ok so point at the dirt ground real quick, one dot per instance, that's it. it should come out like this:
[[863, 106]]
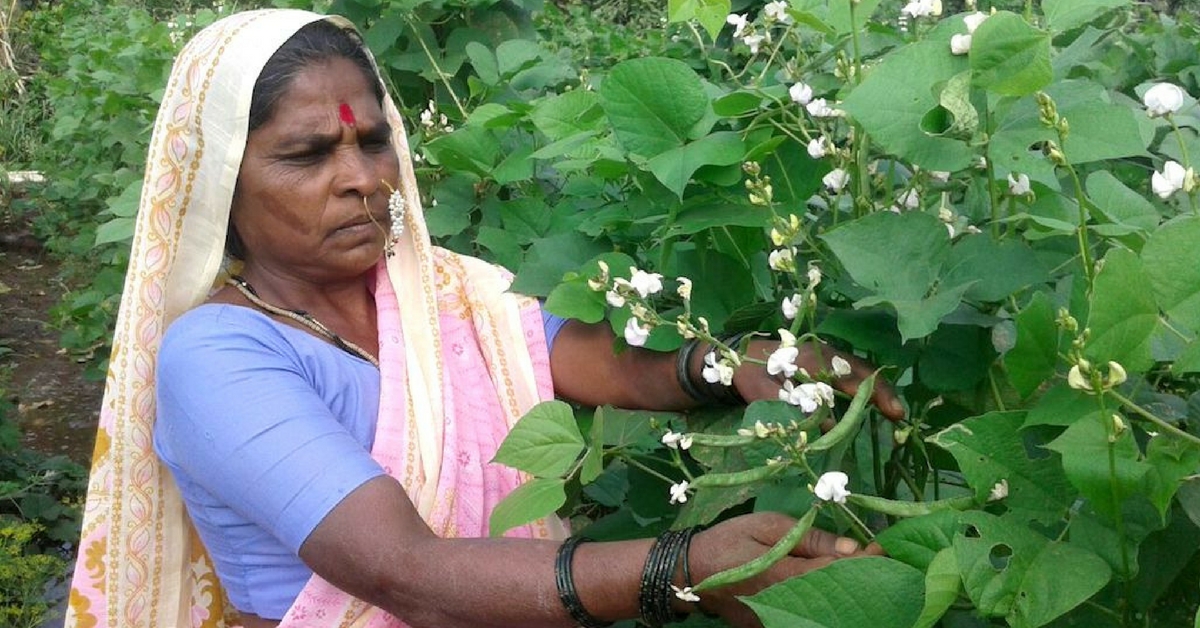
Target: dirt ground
[[57, 408]]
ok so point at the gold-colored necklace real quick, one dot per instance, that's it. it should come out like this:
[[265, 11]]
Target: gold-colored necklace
[[302, 317]]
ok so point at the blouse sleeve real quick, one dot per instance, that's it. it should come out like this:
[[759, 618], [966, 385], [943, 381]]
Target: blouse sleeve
[[242, 416]]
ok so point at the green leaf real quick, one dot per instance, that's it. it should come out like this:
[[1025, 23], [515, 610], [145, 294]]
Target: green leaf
[[1172, 262], [1009, 571], [1120, 204], [545, 442], [989, 449], [894, 98], [483, 60], [675, 167], [470, 148], [1188, 361], [1009, 57], [836, 596], [710, 13], [917, 541], [1061, 405], [573, 298], [1064, 15], [1171, 460], [531, 501], [975, 258], [1033, 359], [653, 103], [840, 15], [567, 114], [955, 116], [552, 257], [942, 586], [898, 255], [118, 229], [1106, 473], [593, 460], [1123, 315]]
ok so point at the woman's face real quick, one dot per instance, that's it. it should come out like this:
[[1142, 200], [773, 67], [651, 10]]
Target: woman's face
[[298, 205]]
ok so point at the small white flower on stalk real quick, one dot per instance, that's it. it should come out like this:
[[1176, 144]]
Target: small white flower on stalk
[[973, 20], [679, 492], [922, 8], [791, 306], [836, 180], [685, 594], [1173, 178], [685, 329], [786, 338], [1116, 374], [685, 288], [819, 108], [1018, 185], [754, 42], [782, 260], [1077, 380], [778, 11], [831, 487], [960, 44], [840, 366], [783, 360], [1163, 99], [814, 276], [716, 370], [636, 334], [819, 147], [908, 199], [738, 22], [614, 299], [999, 491], [808, 397], [645, 283], [801, 93], [940, 176], [675, 440]]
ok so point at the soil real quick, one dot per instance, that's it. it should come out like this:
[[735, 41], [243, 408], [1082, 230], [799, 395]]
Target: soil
[[56, 406]]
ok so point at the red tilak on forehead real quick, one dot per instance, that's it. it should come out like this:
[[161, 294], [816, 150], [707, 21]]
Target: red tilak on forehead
[[346, 114]]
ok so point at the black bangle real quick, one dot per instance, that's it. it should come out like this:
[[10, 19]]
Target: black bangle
[[565, 582], [683, 372], [656, 593], [719, 393]]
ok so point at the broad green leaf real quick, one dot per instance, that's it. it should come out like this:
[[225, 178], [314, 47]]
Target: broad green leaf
[[956, 357], [898, 255], [118, 229], [545, 442], [873, 591], [514, 55], [1120, 204], [1098, 534], [593, 460], [552, 257], [840, 14], [917, 541], [710, 13], [942, 586], [516, 166], [1009, 57], [737, 103], [470, 148], [954, 117], [531, 501], [1033, 359], [1171, 460], [1061, 405], [653, 103], [1105, 472], [573, 298], [697, 218], [919, 317], [1172, 264], [975, 258], [989, 448], [895, 97], [1064, 15], [483, 60], [567, 114], [674, 168], [1123, 314], [1170, 550], [1188, 361], [1012, 572]]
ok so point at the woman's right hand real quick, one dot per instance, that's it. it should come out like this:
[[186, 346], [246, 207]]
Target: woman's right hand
[[739, 540]]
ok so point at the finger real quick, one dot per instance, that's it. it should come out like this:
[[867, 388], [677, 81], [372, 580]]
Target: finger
[[818, 543], [873, 549], [883, 396]]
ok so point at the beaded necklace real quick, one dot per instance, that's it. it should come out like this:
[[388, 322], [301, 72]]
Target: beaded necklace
[[302, 317]]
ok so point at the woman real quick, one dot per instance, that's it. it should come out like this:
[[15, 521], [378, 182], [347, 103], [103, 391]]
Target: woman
[[276, 143]]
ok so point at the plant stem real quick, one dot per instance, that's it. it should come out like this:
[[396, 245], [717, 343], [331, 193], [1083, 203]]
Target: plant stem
[[634, 463], [1149, 416], [1187, 162], [436, 68]]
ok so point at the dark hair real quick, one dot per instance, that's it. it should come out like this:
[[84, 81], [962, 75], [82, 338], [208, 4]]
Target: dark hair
[[317, 41]]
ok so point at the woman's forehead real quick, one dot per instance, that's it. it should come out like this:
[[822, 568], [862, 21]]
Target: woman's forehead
[[329, 90]]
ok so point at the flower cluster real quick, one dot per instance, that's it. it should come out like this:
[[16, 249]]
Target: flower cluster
[[960, 44]]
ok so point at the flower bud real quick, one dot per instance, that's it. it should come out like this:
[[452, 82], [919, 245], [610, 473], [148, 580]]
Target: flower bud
[[1116, 375], [1077, 380]]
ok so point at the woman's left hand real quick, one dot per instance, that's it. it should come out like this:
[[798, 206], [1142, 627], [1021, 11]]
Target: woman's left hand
[[754, 383]]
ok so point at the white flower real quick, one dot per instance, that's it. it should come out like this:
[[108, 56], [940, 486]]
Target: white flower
[[783, 360], [973, 20], [831, 487], [814, 276], [685, 594], [716, 370], [940, 176], [782, 259], [999, 491], [645, 283], [675, 440], [791, 306], [777, 11], [786, 338], [1116, 374], [836, 180], [738, 22], [1018, 185], [1163, 99], [1172, 179], [840, 366], [614, 299], [685, 288], [922, 8], [1076, 380], [960, 44], [636, 334], [801, 93], [808, 396], [908, 199], [755, 41], [679, 492], [819, 108], [818, 147]]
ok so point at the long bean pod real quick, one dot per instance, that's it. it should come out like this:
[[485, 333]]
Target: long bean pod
[[898, 508], [738, 478], [851, 420], [780, 549]]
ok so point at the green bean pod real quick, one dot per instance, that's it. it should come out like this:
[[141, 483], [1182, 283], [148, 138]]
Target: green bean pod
[[851, 420], [738, 478], [898, 508], [722, 440], [780, 549]]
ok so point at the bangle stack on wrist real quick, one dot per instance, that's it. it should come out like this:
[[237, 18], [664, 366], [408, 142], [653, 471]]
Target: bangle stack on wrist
[[704, 392], [565, 581], [656, 594]]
